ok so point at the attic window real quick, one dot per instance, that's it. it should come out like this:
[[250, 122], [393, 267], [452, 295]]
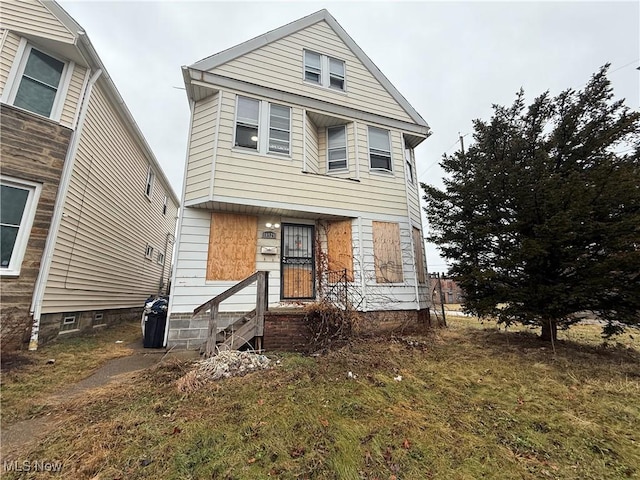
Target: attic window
[[323, 70]]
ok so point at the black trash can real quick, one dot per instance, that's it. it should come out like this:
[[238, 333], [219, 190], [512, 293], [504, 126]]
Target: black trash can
[[154, 329]]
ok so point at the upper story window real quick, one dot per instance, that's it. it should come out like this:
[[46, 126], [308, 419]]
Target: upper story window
[[164, 205], [150, 180], [379, 149], [337, 148], [252, 115], [409, 165], [323, 70], [38, 84], [18, 202]]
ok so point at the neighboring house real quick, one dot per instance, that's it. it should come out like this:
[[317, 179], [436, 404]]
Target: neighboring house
[[451, 291], [300, 163], [87, 214]]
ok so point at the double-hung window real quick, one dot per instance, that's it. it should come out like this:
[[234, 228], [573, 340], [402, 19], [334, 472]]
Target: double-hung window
[[18, 201], [150, 180], [379, 149], [262, 126], [323, 70], [409, 165], [337, 148], [39, 83]]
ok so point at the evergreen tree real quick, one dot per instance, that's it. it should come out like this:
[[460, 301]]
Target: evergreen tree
[[541, 216]]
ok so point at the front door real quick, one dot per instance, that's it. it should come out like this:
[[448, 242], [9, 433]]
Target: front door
[[297, 263]]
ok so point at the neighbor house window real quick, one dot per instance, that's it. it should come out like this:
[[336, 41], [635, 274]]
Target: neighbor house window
[[164, 205], [323, 70], [252, 115], [409, 165], [160, 258], [18, 201], [337, 147], [38, 84], [69, 322], [379, 149], [148, 252], [150, 179]]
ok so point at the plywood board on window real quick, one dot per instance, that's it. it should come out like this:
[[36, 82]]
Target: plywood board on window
[[418, 249], [387, 252], [232, 246], [339, 247], [297, 281]]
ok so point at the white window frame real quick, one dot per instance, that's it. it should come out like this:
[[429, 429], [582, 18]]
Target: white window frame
[[148, 252], [26, 223], [379, 169], [325, 71], [408, 158], [164, 205], [151, 179], [264, 129], [346, 150], [69, 319], [17, 72], [160, 258]]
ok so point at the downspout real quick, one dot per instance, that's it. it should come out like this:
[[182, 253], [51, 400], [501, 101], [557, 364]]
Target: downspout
[[176, 257], [56, 220]]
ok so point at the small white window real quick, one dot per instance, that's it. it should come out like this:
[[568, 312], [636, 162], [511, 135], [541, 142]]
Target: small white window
[[337, 147], [379, 149], [409, 165], [252, 115], [160, 259], [18, 202], [148, 252], [164, 205], [323, 70], [150, 180], [69, 322], [38, 83]]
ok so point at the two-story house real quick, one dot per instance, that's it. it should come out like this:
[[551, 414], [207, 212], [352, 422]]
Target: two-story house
[[88, 216], [300, 163]]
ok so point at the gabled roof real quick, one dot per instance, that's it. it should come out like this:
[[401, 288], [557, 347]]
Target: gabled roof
[[232, 53]]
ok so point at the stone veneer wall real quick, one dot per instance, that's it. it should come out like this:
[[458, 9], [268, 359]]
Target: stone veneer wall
[[51, 323], [31, 148]]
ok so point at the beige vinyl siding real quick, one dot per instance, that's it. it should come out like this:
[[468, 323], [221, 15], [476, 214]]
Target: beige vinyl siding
[[201, 148], [99, 259], [311, 138], [249, 176], [31, 17], [72, 102], [279, 65], [322, 151], [7, 56]]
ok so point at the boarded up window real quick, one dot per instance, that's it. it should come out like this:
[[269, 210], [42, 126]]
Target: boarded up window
[[387, 252], [340, 248], [418, 249], [232, 246]]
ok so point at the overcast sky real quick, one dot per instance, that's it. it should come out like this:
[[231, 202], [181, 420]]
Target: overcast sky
[[451, 60]]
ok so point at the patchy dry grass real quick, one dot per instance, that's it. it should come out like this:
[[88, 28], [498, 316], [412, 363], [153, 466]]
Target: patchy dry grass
[[27, 379], [473, 403]]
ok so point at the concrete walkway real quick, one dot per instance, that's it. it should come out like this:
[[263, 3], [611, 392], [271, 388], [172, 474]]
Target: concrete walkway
[[17, 436]]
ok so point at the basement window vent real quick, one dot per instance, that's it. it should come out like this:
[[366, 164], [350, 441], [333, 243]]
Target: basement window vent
[[98, 319], [69, 322]]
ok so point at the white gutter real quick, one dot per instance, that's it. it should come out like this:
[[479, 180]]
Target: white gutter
[[56, 220]]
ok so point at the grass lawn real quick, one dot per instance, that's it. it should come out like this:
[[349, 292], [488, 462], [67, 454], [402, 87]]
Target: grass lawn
[[473, 402]]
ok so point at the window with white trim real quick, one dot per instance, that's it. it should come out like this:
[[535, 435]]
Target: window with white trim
[[69, 322], [150, 181], [409, 165], [164, 205], [379, 149], [337, 148], [323, 70], [160, 259], [18, 202], [148, 252], [252, 115], [37, 87]]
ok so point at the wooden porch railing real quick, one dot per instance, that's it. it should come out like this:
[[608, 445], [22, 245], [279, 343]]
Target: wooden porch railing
[[261, 278]]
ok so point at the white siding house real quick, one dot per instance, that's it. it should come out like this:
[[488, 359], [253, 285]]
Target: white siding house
[[301, 152], [97, 199]]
